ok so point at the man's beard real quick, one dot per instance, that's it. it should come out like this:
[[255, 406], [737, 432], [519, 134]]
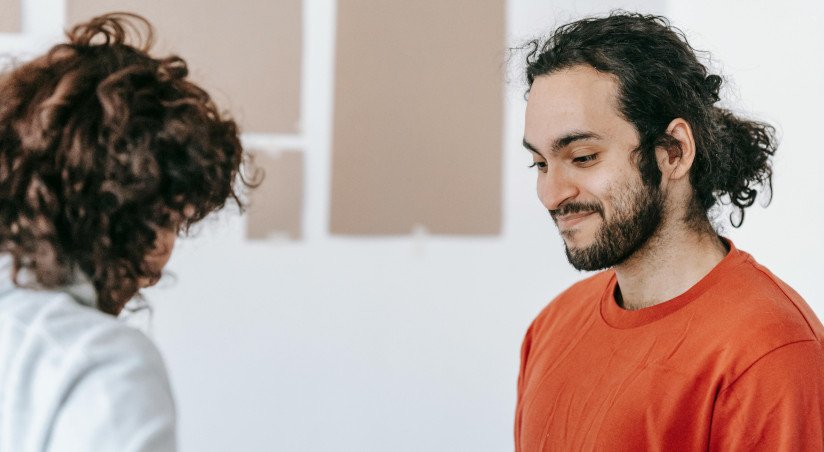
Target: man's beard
[[638, 213]]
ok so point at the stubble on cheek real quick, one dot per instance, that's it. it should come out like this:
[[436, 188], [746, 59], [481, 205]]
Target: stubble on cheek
[[587, 233]]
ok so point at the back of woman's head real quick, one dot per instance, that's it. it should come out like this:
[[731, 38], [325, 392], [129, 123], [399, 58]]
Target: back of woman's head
[[101, 147]]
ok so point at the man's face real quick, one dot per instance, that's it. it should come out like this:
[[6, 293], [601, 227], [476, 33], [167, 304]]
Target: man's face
[[587, 175]]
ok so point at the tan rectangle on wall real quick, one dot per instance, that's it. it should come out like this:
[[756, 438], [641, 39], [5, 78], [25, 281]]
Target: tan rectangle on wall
[[418, 117], [10, 16], [276, 206], [247, 54]]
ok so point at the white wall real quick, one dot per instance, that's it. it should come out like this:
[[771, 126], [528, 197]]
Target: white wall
[[411, 344]]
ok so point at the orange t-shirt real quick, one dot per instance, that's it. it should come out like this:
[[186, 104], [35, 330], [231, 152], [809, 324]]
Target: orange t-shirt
[[733, 364]]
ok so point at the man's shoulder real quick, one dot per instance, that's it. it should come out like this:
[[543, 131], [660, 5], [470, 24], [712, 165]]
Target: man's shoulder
[[578, 298], [592, 286], [758, 304]]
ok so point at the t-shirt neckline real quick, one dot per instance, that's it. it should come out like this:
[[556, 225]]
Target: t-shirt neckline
[[618, 317]]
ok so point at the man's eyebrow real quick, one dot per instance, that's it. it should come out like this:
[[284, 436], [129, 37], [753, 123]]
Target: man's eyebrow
[[564, 141], [572, 137], [530, 147]]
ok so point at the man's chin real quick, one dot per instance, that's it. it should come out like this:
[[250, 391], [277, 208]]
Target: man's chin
[[575, 239], [581, 259]]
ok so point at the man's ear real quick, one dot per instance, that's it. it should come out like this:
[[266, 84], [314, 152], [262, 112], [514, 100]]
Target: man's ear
[[675, 161]]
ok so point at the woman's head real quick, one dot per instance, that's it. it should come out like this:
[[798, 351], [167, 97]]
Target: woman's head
[[106, 153]]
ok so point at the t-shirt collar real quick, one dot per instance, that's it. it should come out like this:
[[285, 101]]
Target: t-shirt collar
[[618, 317]]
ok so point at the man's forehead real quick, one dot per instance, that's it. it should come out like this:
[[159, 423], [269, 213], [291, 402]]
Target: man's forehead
[[578, 98], [576, 90]]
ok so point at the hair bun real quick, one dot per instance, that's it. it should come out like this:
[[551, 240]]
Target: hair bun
[[713, 86]]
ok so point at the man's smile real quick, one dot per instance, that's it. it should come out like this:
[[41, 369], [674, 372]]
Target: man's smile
[[569, 220]]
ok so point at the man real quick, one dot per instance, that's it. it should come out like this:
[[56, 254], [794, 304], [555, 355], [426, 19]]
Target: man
[[685, 342]]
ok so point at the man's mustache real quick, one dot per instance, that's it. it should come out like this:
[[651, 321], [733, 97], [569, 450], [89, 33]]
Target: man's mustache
[[577, 207]]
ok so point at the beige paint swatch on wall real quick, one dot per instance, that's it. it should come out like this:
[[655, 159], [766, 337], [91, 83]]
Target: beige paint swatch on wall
[[276, 206], [417, 139], [248, 54], [10, 16]]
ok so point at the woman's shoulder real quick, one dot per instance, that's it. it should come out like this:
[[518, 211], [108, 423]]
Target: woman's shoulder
[[64, 365], [57, 320]]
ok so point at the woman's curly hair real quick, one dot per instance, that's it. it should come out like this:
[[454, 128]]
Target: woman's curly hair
[[660, 79], [101, 146]]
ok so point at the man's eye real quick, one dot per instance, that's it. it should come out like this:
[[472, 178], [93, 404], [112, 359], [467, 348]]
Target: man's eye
[[585, 158], [539, 165]]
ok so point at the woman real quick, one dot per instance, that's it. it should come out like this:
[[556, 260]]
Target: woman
[[106, 154]]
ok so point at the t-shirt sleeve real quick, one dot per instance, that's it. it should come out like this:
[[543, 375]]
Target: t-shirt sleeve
[[118, 398], [525, 349], [776, 404]]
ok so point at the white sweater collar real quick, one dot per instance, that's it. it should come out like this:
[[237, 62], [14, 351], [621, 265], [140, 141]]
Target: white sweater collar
[[82, 289]]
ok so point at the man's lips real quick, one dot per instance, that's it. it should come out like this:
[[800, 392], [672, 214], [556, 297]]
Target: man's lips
[[572, 219]]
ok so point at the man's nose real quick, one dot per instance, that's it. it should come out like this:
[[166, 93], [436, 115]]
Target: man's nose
[[555, 187]]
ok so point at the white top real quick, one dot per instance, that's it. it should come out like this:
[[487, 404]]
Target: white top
[[75, 379]]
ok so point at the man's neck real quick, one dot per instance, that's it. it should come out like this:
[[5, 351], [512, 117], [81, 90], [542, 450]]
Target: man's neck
[[671, 262]]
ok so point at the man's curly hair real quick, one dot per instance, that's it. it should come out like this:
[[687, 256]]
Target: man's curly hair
[[101, 146], [660, 79]]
